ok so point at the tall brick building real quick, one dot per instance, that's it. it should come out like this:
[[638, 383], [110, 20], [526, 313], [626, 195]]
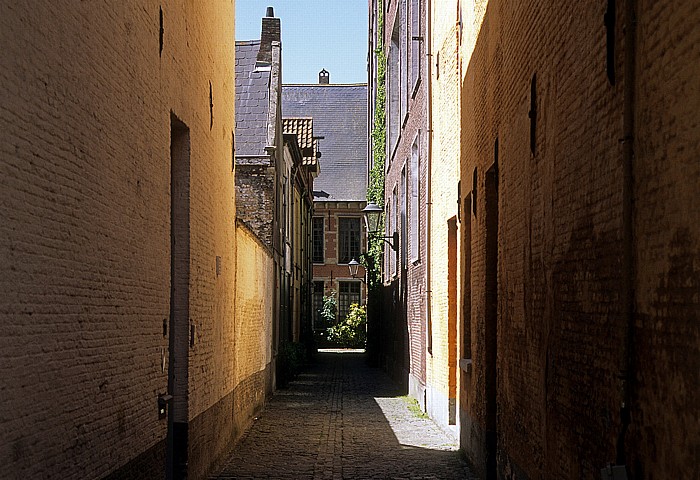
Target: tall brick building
[[120, 355], [562, 241], [579, 171], [339, 114], [403, 328], [275, 167]]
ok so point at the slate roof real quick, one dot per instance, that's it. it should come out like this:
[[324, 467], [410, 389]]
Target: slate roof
[[303, 128], [252, 102], [340, 116]]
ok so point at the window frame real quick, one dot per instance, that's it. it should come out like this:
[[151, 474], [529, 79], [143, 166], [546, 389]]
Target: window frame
[[341, 240], [323, 240], [343, 309], [416, 43]]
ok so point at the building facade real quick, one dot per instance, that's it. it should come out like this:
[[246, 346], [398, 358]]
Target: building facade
[[275, 168], [299, 139], [577, 170], [404, 326], [444, 213], [339, 114], [118, 243], [561, 331]]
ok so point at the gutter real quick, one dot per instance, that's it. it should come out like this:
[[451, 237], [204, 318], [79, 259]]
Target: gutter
[[428, 149]]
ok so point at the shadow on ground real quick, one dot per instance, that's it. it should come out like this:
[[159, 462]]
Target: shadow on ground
[[343, 420]]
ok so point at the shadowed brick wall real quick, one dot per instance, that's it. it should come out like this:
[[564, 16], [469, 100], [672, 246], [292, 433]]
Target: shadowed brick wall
[[408, 156], [85, 185], [542, 104]]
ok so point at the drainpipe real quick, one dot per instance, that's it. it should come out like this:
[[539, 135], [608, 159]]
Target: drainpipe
[[628, 254], [428, 149]]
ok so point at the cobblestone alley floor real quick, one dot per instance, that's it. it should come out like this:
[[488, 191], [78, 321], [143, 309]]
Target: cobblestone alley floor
[[343, 420]]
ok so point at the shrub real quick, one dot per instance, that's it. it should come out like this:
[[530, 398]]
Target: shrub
[[329, 312], [352, 332]]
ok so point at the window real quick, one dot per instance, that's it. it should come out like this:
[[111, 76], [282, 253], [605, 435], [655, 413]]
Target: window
[[414, 211], [403, 225], [317, 239], [349, 293], [404, 62], [394, 227], [349, 236], [317, 299], [387, 232], [533, 114], [415, 44], [393, 85]]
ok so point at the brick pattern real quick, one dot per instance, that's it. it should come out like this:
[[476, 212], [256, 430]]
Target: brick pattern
[[330, 272], [411, 280], [444, 185], [254, 304], [255, 197], [666, 440], [343, 420], [560, 326], [85, 236]]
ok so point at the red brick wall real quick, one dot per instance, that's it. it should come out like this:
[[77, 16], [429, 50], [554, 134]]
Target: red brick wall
[[561, 329], [330, 271], [411, 317], [665, 431]]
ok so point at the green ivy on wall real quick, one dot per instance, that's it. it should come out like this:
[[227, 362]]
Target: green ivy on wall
[[375, 190]]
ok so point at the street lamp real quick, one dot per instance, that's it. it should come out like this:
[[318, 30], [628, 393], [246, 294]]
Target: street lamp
[[353, 266], [373, 215]]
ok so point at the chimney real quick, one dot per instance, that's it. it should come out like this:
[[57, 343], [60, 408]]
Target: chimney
[[270, 33], [324, 77]]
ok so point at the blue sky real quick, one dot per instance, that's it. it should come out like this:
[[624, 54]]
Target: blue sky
[[316, 34]]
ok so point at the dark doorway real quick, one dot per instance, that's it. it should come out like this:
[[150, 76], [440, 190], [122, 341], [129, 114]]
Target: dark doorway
[[491, 320], [179, 340]]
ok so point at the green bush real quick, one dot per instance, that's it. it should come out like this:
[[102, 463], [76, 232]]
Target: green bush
[[329, 312], [351, 333]]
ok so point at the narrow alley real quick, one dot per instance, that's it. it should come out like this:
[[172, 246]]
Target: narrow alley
[[496, 201], [341, 419]]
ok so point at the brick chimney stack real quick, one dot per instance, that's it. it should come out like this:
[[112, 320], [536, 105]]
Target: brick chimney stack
[[270, 33], [324, 77]]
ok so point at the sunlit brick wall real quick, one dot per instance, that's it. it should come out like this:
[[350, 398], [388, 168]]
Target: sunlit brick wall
[[444, 178], [88, 91]]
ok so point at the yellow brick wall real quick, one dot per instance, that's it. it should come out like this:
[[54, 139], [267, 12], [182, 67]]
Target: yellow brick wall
[[254, 304], [444, 177], [85, 238]]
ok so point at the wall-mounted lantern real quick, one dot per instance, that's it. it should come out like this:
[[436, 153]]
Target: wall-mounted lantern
[[373, 215]]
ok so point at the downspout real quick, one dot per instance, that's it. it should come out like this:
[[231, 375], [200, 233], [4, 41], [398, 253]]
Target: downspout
[[428, 149], [627, 373]]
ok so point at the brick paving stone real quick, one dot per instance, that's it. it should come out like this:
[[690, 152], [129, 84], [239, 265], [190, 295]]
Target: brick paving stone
[[343, 420]]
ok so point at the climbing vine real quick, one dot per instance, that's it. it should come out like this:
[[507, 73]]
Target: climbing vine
[[375, 190]]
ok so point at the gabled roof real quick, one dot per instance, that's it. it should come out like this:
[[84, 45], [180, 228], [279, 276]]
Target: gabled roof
[[252, 102], [339, 115], [303, 128]]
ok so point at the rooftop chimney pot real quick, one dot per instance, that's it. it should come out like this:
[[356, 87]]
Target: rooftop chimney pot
[[324, 76], [270, 12]]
